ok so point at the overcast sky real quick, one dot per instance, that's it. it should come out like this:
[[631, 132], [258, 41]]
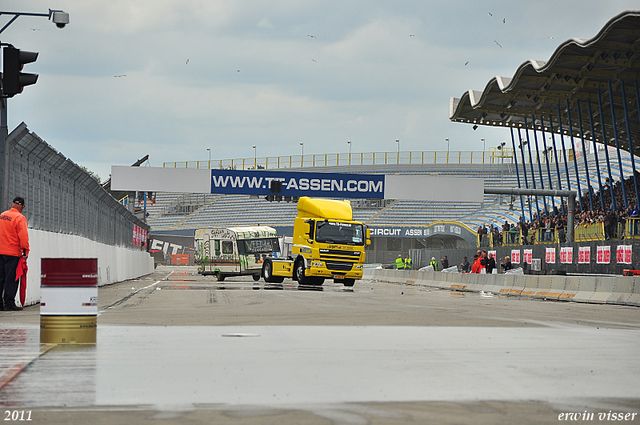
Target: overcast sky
[[171, 78]]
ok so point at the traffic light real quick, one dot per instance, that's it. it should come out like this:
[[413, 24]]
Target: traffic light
[[13, 80], [276, 186]]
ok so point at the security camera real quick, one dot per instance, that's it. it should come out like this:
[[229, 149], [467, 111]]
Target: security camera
[[60, 18]]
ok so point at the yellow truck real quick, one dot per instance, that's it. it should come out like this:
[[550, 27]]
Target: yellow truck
[[327, 244]]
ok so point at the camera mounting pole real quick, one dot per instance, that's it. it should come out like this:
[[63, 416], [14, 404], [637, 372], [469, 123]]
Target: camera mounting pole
[[60, 18]]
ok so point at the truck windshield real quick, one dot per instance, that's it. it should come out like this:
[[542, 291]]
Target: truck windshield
[[337, 232], [259, 246]]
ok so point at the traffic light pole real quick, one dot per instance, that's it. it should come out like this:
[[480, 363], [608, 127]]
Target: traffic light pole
[[4, 154]]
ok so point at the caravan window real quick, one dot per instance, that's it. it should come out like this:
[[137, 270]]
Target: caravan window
[[216, 244], [227, 247], [258, 246]]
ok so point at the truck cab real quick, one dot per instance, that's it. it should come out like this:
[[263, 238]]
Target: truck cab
[[327, 244]]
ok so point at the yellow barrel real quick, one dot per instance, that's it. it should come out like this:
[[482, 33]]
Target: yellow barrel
[[68, 329], [68, 300]]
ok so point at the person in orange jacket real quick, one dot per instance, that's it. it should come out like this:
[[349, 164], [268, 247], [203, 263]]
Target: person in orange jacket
[[475, 268], [14, 244]]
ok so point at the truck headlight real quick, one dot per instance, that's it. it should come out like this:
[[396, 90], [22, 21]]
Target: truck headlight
[[358, 266], [317, 264]]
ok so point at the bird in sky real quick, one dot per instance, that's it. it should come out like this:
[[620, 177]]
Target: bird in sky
[[187, 63], [412, 35], [34, 29], [313, 60], [497, 43], [118, 76], [504, 20], [466, 63], [312, 36], [237, 70]]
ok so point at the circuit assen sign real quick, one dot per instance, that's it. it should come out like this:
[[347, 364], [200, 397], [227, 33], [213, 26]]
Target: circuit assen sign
[[298, 183], [415, 232], [436, 229]]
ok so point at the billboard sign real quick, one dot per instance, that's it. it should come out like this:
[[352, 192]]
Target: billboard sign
[[299, 183], [293, 183]]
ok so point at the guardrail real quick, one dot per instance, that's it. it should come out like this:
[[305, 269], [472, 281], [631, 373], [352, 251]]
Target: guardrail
[[492, 156], [621, 290], [628, 230]]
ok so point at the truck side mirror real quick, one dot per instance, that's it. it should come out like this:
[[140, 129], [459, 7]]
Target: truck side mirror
[[311, 224], [368, 241], [368, 233]]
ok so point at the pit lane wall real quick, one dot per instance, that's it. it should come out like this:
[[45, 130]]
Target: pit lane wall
[[115, 263], [622, 290]]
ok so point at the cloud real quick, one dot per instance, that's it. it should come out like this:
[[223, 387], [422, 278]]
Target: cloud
[[373, 72]]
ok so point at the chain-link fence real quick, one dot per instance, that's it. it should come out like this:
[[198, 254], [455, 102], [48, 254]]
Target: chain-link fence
[[61, 197]]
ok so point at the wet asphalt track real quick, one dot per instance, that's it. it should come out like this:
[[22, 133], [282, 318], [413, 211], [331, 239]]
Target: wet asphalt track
[[183, 348]]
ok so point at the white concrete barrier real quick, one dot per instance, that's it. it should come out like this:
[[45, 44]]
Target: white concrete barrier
[[115, 264], [624, 290]]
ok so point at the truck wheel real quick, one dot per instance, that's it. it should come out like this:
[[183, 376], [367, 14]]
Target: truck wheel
[[220, 276], [267, 273], [349, 282], [298, 273]]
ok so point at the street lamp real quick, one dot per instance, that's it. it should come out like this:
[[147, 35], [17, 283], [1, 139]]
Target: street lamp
[[484, 145], [447, 140], [209, 150], [255, 158], [349, 143], [302, 148]]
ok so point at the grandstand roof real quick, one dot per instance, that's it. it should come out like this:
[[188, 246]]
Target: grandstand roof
[[579, 74]]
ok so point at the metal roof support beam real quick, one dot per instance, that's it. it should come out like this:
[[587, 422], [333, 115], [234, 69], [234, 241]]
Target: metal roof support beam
[[626, 118], [564, 149], [615, 136], [573, 149], [584, 156], [515, 160], [570, 194], [547, 151], [595, 154], [606, 152]]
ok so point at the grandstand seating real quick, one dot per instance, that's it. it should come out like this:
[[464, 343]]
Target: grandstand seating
[[229, 210]]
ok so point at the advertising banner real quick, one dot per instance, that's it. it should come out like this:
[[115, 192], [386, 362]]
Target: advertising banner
[[527, 256], [603, 255], [298, 183], [584, 255], [566, 255], [623, 254], [515, 256], [295, 183], [550, 255]]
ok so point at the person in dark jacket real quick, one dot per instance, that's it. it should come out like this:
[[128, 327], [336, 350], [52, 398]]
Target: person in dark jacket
[[490, 263], [464, 266], [506, 265]]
